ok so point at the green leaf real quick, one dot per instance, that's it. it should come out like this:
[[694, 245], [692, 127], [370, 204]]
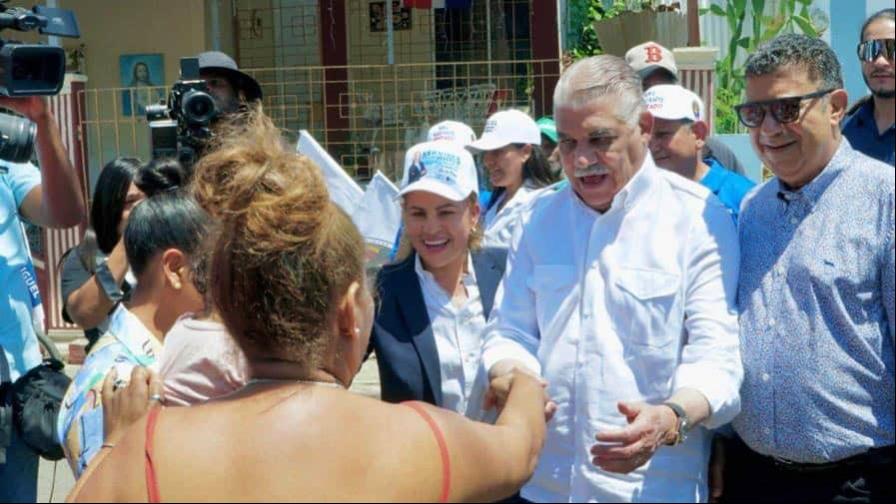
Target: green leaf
[[718, 11], [744, 42], [806, 25], [758, 8], [739, 7], [703, 11]]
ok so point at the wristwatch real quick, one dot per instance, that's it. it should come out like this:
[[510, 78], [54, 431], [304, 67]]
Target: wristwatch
[[684, 423], [108, 282]]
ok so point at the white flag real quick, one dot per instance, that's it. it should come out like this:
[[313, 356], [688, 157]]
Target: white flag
[[378, 215], [344, 191]]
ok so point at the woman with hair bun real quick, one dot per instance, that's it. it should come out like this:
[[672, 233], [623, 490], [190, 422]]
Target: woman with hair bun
[[287, 276], [162, 236]]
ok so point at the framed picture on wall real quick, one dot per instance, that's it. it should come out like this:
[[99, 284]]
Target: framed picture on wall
[[401, 17], [143, 76]]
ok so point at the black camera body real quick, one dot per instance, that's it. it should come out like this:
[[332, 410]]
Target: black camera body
[[181, 128], [30, 70]]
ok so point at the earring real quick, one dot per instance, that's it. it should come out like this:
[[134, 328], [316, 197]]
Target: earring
[[357, 331]]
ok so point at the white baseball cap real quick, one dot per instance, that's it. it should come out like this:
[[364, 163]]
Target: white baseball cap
[[675, 103], [650, 56], [505, 128], [452, 131], [441, 168]]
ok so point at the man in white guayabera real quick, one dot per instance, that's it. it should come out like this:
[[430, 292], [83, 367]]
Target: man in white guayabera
[[620, 292]]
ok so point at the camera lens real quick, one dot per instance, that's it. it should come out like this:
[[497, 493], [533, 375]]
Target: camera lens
[[16, 138], [198, 108]]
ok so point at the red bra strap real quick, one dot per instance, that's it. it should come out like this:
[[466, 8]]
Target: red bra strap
[[443, 447], [152, 484]]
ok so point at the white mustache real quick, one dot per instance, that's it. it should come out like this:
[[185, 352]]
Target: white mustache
[[591, 171]]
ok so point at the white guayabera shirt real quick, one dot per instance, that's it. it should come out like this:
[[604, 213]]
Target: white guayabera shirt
[[628, 305]]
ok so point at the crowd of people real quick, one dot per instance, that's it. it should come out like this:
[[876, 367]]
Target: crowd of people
[[594, 306]]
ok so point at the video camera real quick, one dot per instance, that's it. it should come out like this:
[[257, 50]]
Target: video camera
[[30, 70], [181, 128]]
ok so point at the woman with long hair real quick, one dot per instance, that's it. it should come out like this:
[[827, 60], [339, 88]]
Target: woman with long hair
[[517, 170], [94, 276]]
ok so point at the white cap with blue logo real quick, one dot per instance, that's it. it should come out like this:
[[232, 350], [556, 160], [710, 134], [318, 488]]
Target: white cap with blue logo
[[452, 131], [442, 168], [674, 102]]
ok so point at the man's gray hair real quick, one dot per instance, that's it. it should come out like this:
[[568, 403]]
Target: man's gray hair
[[599, 76], [793, 50]]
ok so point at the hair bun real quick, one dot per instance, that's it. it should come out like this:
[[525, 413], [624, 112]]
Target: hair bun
[[253, 180], [161, 175]]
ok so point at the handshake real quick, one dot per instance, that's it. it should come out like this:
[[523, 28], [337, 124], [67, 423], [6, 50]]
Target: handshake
[[508, 375]]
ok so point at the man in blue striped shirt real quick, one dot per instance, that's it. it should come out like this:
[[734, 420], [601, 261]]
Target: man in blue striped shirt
[[816, 293]]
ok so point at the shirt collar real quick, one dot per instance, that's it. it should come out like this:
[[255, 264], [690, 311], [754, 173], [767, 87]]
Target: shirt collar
[[715, 176], [864, 117], [814, 189], [866, 114], [468, 276], [634, 191], [128, 330]]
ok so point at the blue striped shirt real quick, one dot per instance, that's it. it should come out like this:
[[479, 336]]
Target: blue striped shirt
[[816, 301]]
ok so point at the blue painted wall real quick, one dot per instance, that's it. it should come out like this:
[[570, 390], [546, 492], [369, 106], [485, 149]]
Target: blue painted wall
[[740, 145], [847, 17]]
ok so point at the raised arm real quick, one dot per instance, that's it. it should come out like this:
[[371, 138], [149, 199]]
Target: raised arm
[[88, 304], [58, 201]]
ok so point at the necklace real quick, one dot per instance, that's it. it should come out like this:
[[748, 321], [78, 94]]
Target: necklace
[[307, 382]]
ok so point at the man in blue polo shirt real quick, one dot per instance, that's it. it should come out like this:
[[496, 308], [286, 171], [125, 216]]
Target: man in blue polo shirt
[[51, 198], [870, 126], [677, 141]]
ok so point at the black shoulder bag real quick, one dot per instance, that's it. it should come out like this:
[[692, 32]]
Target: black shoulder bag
[[32, 403]]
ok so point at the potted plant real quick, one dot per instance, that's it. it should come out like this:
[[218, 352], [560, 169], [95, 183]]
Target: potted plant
[[627, 23]]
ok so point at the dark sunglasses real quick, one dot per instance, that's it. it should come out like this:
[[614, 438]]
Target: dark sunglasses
[[784, 110], [870, 50]]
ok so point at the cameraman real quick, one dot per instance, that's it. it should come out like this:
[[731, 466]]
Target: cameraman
[[49, 198], [231, 88]]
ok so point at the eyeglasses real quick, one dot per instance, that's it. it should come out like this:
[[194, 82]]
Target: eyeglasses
[[870, 50], [784, 110]]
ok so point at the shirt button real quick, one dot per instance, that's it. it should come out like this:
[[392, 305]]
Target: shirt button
[[766, 377], [767, 431], [794, 221], [771, 323]]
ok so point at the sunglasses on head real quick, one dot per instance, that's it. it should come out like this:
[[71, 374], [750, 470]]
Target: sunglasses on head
[[784, 110], [870, 50]]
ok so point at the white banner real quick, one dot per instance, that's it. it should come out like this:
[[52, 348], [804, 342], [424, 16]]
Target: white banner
[[378, 215], [344, 191]]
